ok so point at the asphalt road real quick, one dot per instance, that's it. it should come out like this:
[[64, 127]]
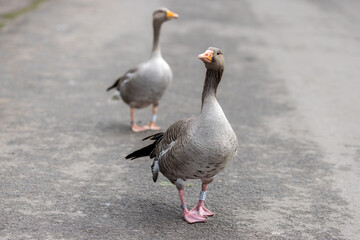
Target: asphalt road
[[290, 90]]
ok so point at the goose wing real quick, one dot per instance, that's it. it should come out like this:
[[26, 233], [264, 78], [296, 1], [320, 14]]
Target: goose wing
[[162, 143], [172, 134]]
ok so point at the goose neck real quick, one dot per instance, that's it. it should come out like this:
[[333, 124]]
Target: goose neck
[[156, 42], [211, 83]]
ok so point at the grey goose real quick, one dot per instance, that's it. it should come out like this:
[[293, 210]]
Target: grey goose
[[145, 84], [195, 148]]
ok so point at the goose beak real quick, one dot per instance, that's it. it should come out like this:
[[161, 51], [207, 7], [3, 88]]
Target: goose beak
[[171, 15], [206, 56]]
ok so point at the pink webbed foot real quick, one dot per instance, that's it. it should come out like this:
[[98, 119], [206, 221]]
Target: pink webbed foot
[[193, 218], [200, 210], [152, 127], [136, 128]]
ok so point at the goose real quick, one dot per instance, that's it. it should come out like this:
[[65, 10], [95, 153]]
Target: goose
[[145, 84], [195, 148]]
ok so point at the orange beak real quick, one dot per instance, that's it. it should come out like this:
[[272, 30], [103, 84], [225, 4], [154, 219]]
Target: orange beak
[[206, 56], [170, 15]]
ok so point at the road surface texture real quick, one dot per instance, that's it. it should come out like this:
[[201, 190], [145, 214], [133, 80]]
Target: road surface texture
[[290, 90]]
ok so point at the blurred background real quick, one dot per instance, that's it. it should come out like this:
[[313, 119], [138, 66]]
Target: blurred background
[[290, 90]]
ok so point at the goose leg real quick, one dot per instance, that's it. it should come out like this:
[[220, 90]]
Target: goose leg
[[152, 125], [134, 127], [189, 217], [200, 209]]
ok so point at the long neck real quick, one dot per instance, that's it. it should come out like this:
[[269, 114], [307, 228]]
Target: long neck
[[156, 44], [212, 80]]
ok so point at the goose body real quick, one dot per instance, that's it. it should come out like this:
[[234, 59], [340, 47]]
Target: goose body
[[195, 148], [145, 85], [202, 148]]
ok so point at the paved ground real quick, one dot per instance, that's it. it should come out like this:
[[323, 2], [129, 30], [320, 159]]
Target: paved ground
[[12, 6], [290, 90]]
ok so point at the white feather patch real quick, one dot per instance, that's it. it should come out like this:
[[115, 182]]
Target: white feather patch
[[115, 96], [127, 78], [166, 149], [155, 168]]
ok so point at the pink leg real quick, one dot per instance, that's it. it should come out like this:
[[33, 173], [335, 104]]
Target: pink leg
[[189, 217], [134, 127], [200, 209], [152, 125]]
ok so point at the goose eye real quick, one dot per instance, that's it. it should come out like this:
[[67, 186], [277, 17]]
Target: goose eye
[[218, 53]]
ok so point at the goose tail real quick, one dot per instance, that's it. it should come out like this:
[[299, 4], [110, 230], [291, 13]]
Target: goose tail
[[148, 150], [143, 152], [114, 85]]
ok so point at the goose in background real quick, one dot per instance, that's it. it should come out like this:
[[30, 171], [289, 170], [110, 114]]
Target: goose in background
[[195, 148], [145, 84]]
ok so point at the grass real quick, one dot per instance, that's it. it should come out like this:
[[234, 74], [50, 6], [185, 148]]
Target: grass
[[15, 14], [2, 25]]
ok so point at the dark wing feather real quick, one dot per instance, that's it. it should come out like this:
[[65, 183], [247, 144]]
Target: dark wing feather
[[121, 79], [145, 151], [156, 136]]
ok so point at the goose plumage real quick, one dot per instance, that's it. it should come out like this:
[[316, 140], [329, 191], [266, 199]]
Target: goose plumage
[[195, 148], [145, 84]]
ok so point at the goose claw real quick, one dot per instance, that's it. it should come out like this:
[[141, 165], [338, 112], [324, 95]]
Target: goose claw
[[193, 218], [152, 127], [136, 128], [200, 210]]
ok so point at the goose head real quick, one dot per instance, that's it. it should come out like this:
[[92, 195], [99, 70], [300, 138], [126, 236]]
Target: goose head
[[163, 14], [213, 59]]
